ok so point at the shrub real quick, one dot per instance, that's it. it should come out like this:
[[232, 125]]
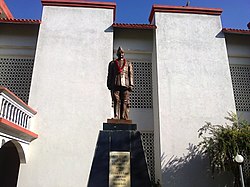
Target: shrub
[[221, 143]]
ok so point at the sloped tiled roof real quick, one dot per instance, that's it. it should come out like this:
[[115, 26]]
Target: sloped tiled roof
[[4, 10], [133, 26], [236, 31], [19, 21]]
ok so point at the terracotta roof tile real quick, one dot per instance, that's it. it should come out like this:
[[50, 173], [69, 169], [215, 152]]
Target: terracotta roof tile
[[133, 26], [19, 21], [5, 10], [236, 31]]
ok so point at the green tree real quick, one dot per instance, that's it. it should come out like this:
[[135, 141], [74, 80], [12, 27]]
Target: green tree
[[221, 143]]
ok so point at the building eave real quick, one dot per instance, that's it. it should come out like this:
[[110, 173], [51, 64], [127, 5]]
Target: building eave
[[134, 26], [236, 31], [19, 21]]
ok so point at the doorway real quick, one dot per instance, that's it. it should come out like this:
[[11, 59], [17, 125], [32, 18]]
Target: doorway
[[9, 165]]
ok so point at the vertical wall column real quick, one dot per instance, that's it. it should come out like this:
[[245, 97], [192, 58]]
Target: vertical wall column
[[192, 82], [68, 88]]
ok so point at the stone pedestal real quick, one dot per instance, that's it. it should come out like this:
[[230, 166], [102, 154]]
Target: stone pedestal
[[119, 121], [119, 159]]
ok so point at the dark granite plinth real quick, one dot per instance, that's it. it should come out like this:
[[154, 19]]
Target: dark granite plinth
[[114, 126], [124, 141]]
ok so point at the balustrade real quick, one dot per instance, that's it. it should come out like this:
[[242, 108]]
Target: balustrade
[[13, 109]]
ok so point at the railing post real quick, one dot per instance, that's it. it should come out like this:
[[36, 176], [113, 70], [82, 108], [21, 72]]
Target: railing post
[[13, 109], [22, 120], [1, 106], [26, 121], [12, 113], [15, 115], [5, 108]]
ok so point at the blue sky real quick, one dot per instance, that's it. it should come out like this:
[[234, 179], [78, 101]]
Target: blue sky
[[236, 13]]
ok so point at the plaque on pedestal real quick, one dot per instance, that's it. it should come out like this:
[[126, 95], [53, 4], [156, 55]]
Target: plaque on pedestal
[[119, 169], [119, 159]]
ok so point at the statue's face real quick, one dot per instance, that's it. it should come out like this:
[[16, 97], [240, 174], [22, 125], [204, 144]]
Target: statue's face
[[120, 55]]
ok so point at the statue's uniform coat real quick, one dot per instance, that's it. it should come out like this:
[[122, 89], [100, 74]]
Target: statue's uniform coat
[[117, 79], [120, 82]]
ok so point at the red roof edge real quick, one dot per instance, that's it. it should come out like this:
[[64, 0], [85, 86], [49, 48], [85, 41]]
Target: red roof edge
[[183, 9], [236, 31], [17, 99], [6, 10], [20, 21], [80, 3], [21, 131], [133, 26]]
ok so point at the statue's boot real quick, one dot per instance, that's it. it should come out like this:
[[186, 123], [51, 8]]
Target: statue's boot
[[116, 109], [124, 110]]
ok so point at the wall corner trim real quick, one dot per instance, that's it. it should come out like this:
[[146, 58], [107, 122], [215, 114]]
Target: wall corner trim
[[183, 9], [79, 3]]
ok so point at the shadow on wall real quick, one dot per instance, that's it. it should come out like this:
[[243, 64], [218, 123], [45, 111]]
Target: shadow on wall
[[192, 170]]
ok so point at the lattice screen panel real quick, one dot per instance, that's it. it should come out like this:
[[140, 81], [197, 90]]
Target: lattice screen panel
[[16, 74], [141, 96], [148, 146], [241, 86]]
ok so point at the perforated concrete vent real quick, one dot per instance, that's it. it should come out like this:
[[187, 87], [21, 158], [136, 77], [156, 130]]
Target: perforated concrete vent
[[16, 74], [141, 96], [241, 86], [148, 146]]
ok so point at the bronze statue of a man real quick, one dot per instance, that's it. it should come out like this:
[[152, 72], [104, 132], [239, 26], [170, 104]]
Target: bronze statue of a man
[[120, 82]]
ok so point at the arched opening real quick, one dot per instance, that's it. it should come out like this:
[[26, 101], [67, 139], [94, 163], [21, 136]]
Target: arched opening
[[9, 163]]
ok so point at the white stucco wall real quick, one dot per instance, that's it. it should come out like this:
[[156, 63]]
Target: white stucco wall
[[136, 42], [238, 46], [69, 92], [157, 144], [193, 82]]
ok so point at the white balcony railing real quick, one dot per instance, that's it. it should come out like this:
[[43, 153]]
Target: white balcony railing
[[14, 109]]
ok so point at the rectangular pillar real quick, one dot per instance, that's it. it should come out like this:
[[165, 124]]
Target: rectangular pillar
[[68, 90]]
